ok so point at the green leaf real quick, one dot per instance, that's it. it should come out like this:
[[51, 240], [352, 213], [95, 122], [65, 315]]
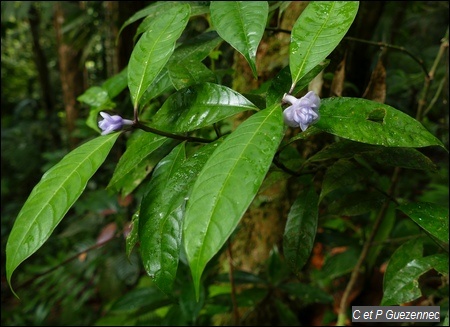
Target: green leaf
[[197, 8], [432, 217], [407, 264], [190, 72], [343, 173], [154, 49], [162, 210], [282, 82], [300, 230], [286, 315], [350, 118], [197, 48], [383, 233], [116, 84], [52, 197], [160, 225], [226, 186], [409, 158], [198, 106], [98, 99], [133, 237], [356, 203], [241, 24], [134, 300], [317, 32], [306, 293], [144, 151]]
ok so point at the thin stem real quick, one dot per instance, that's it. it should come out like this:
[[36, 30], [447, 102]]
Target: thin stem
[[233, 286], [342, 316], [93, 247], [146, 128], [427, 83], [390, 46], [436, 96]]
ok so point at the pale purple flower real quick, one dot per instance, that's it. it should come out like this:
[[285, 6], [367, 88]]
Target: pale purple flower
[[302, 112], [112, 123]]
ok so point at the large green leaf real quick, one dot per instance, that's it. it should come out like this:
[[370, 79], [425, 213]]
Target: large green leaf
[[300, 230], [195, 49], [398, 157], [198, 106], [227, 184], [241, 24], [144, 151], [52, 197], [317, 32], [162, 210], [160, 225], [372, 122], [154, 49], [430, 216]]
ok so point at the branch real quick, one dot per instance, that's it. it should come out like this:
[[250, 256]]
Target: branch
[[342, 316], [146, 128]]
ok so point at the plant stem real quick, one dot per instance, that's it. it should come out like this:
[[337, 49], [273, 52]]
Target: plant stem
[[233, 286], [146, 128], [342, 316]]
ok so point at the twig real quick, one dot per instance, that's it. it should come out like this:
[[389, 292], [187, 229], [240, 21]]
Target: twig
[[146, 128], [427, 83], [342, 316], [233, 286], [390, 46], [93, 247]]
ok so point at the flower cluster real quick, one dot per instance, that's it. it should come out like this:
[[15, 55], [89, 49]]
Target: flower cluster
[[111, 124], [302, 112]]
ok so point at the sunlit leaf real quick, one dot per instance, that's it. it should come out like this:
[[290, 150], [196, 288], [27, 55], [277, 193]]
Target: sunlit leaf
[[226, 186], [241, 24], [300, 230], [52, 197], [317, 32], [371, 122], [198, 106], [154, 49]]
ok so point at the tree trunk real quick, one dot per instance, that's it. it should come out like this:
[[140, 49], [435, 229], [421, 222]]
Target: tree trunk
[[47, 94], [71, 74]]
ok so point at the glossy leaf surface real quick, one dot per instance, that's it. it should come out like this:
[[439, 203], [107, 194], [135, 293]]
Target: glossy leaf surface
[[154, 49], [430, 216], [226, 186], [372, 122], [144, 151], [198, 106], [241, 24], [52, 197], [317, 32], [300, 230]]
